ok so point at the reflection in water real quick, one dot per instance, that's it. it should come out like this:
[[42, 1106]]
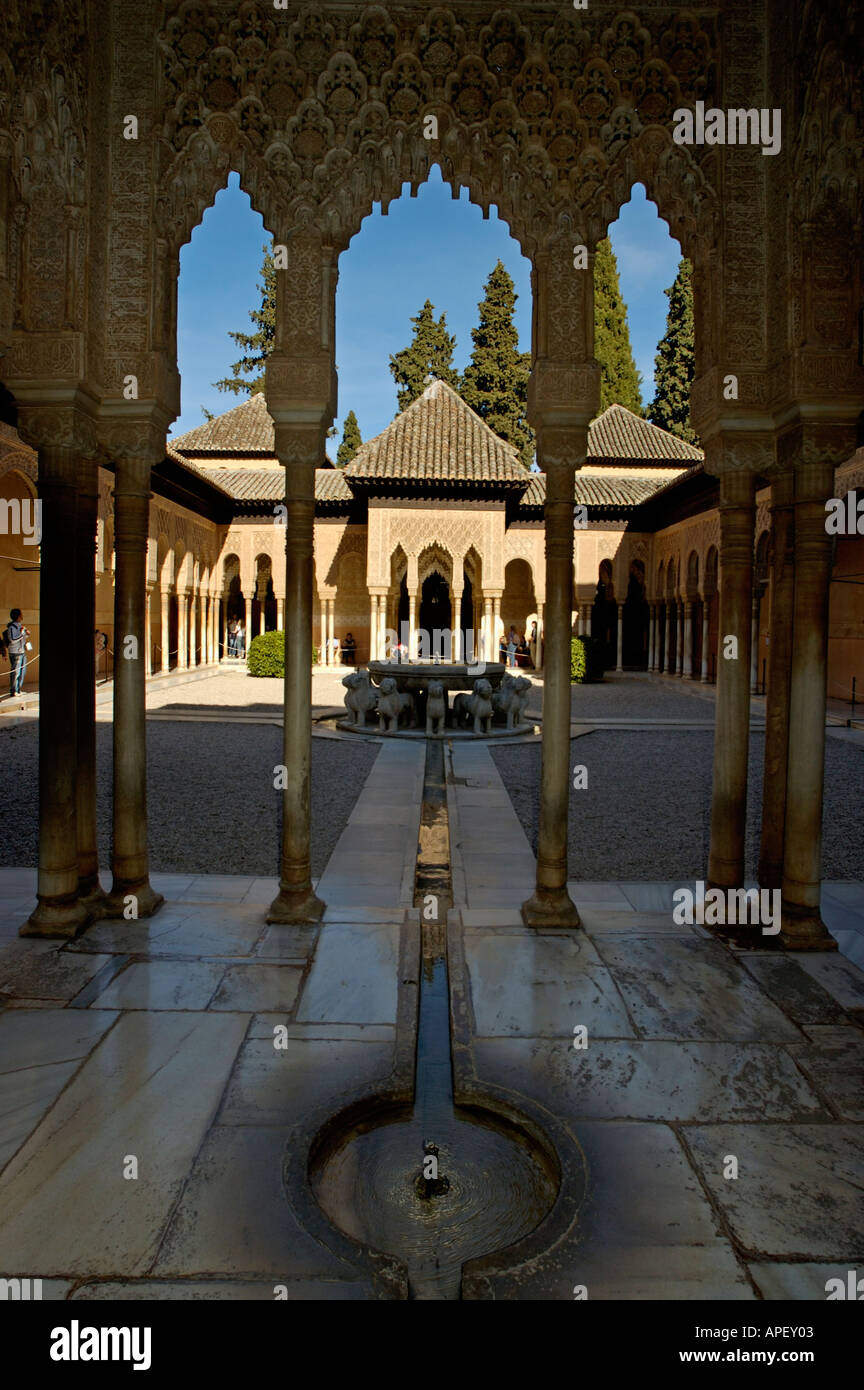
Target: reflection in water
[[497, 1188]]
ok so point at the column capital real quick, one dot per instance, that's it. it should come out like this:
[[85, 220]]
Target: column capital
[[747, 449], [58, 426]]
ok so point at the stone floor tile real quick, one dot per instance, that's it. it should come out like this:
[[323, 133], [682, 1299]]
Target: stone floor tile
[[682, 987], [799, 996], [150, 1088], [40, 1051], [851, 893], [651, 897], [798, 1190], [262, 1026], [256, 988], [224, 1290], [597, 917], [281, 942], [600, 893], [836, 1069], [234, 1217], [216, 888], [39, 969], [843, 980], [806, 1281], [354, 975], [651, 1080], [851, 946], [163, 984], [542, 986], [474, 917], [275, 1085]]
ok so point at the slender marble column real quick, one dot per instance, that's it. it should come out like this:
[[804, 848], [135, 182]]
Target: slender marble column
[[619, 666], [382, 625], [551, 904], [280, 616], [754, 644], [331, 627], [687, 668], [193, 630], [89, 889], [457, 629], [732, 712], [164, 629], [298, 448], [131, 892], [324, 654], [225, 627], [373, 627], [496, 625], [679, 665], [706, 610], [412, 626], [59, 912], [148, 636], [182, 630], [652, 634], [779, 679], [803, 928], [248, 625]]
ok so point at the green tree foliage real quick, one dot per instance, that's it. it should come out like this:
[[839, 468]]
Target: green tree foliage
[[256, 346], [675, 363], [620, 381], [495, 382], [351, 440], [267, 655], [430, 353]]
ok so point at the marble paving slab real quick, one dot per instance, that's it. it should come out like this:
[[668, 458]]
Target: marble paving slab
[[836, 1069], [843, 980], [256, 988], [224, 1290], [34, 968], [277, 1086], [354, 975], [163, 984], [234, 1217], [683, 987], [150, 1089], [808, 1280], [539, 985], [798, 1191], [651, 1080]]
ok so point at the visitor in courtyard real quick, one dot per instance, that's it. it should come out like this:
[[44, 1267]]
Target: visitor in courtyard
[[523, 656], [232, 637], [16, 645], [349, 647], [240, 640], [512, 644]]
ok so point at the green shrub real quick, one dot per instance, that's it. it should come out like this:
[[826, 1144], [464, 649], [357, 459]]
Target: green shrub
[[587, 660], [267, 655]]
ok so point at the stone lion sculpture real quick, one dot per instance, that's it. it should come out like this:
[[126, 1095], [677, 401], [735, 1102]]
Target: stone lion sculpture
[[510, 699], [436, 709], [476, 706], [362, 697], [392, 705]]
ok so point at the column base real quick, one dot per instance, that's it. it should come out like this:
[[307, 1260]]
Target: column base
[[804, 931], [550, 908], [62, 918], [116, 904], [746, 938], [295, 907], [92, 895]]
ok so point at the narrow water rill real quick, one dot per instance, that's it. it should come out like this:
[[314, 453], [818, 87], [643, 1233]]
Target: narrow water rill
[[443, 1183]]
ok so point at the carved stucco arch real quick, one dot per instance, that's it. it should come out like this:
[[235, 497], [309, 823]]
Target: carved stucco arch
[[539, 112]]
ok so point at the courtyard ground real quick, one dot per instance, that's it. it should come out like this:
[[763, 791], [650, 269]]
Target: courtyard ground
[[158, 1039]]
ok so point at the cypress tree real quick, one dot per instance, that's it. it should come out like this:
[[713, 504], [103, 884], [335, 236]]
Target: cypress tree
[[620, 381], [495, 382], [430, 352], [675, 363], [351, 440], [256, 346]]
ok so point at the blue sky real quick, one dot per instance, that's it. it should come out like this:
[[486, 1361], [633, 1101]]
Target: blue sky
[[427, 247]]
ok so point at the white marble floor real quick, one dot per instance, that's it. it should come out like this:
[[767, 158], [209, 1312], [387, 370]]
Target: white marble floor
[[155, 1076]]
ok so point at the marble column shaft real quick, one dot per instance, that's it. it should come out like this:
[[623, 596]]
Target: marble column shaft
[[89, 888], [58, 913], [129, 860], [779, 679], [732, 712]]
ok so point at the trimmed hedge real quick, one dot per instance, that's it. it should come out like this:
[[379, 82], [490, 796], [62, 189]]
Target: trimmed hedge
[[267, 655], [587, 660]]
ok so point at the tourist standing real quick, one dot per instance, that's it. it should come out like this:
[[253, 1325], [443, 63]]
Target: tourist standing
[[16, 645], [240, 640], [512, 644]]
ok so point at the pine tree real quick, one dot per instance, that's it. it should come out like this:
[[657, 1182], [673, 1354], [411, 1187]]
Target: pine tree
[[430, 352], [257, 346], [351, 440], [619, 381], [675, 363], [495, 382]]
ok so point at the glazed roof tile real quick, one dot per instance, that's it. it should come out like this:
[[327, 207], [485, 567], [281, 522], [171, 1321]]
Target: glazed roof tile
[[438, 438]]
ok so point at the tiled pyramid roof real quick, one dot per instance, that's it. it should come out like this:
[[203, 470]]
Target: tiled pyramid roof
[[590, 491], [247, 429], [618, 434], [268, 484], [438, 439]]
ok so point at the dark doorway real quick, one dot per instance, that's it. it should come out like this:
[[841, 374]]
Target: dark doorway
[[467, 619], [435, 613], [634, 639]]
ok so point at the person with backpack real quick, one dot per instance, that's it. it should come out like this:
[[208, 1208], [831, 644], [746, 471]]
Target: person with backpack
[[16, 645]]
